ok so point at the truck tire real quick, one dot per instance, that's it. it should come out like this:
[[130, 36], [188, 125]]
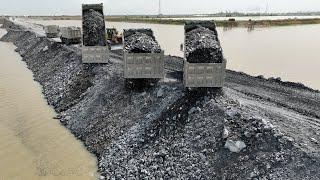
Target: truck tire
[[62, 40], [202, 91], [68, 42], [139, 84]]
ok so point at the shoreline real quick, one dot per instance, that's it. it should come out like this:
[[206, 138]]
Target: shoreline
[[136, 129], [219, 23], [258, 23]]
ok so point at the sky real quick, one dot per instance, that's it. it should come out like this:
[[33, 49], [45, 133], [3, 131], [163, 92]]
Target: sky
[[128, 7]]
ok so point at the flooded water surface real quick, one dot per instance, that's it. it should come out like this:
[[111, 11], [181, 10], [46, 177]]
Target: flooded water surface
[[34, 146], [290, 52], [244, 18]]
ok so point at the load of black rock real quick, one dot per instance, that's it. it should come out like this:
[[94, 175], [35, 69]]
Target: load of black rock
[[141, 43], [93, 29], [203, 46]]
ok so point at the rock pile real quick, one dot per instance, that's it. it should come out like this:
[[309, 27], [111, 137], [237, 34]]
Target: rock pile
[[93, 29], [203, 46], [141, 43]]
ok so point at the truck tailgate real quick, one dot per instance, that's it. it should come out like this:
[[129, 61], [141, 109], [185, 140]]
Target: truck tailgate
[[95, 54], [204, 74], [144, 65]]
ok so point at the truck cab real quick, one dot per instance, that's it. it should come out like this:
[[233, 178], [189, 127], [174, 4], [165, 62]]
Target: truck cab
[[113, 36]]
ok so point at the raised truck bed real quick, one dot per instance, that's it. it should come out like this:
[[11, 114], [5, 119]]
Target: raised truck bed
[[94, 48], [204, 64]]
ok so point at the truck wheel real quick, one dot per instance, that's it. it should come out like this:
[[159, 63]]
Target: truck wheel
[[201, 91], [136, 84], [68, 42], [129, 84], [151, 82], [78, 41]]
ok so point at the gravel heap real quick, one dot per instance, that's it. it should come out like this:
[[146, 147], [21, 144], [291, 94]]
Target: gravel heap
[[203, 46], [188, 141], [93, 29], [141, 43]]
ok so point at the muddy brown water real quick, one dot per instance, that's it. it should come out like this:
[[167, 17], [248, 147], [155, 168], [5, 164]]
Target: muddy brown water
[[34, 146], [243, 18], [290, 52]]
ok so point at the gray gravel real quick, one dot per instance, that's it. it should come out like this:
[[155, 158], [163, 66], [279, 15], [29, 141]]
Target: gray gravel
[[141, 43]]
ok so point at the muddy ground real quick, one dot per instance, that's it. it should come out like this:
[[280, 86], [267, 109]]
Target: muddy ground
[[254, 128]]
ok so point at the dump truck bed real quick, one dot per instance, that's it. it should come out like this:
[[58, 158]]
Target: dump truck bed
[[191, 25], [129, 32], [142, 65], [71, 32], [95, 54], [1, 20], [51, 31], [197, 75], [96, 7]]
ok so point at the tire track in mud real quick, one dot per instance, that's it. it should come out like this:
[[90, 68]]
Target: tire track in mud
[[300, 127], [282, 104]]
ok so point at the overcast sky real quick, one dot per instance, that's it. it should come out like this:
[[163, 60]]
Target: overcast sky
[[73, 7]]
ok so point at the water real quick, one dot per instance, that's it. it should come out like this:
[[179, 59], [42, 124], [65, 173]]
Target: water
[[289, 52], [245, 18], [34, 146]]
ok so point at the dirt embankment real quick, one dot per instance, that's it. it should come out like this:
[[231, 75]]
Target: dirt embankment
[[253, 129]]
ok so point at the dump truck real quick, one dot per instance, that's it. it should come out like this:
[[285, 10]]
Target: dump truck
[[70, 35], [52, 31], [113, 36], [142, 66], [203, 75], [2, 19], [94, 47]]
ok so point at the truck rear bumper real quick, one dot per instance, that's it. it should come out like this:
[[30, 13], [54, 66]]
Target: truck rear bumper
[[204, 74]]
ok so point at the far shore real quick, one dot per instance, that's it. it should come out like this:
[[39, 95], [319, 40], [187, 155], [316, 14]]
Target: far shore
[[232, 22]]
